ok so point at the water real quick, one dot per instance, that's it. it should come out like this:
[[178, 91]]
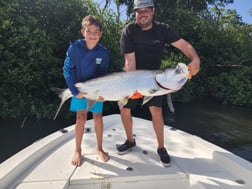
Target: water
[[226, 126], [14, 136]]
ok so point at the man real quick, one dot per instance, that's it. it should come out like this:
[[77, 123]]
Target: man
[[142, 44], [86, 59]]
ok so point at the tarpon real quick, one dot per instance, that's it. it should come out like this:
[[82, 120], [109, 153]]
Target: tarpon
[[122, 85]]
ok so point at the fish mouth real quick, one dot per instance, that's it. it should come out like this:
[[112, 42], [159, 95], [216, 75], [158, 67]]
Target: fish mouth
[[162, 87]]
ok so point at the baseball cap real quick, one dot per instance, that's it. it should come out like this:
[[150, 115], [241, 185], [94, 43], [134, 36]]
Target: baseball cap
[[143, 3]]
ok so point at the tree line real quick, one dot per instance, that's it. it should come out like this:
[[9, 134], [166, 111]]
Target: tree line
[[35, 35]]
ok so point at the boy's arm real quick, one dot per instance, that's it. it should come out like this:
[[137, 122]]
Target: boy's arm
[[68, 70]]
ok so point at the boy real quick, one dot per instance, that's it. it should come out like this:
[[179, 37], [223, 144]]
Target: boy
[[86, 59]]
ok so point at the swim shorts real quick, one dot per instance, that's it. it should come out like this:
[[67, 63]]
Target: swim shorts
[[155, 101], [82, 103]]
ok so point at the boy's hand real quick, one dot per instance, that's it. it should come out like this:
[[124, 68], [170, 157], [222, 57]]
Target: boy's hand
[[81, 95], [100, 99]]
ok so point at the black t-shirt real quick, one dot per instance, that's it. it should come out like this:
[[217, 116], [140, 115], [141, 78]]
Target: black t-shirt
[[148, 45]]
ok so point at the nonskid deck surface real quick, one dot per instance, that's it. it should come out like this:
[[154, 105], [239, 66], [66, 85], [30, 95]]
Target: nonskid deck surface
[[195, 163]]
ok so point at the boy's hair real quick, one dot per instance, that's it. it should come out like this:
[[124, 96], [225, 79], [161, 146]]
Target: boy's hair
[[91, 20]]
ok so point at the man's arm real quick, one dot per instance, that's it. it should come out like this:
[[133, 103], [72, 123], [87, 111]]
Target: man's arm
[[189, 51], [130, 62], [130, 65]]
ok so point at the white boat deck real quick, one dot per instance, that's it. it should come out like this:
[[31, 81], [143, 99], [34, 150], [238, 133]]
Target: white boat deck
[[196, 164]]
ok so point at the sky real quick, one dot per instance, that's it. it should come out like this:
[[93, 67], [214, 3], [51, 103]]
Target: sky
[[241, 6]]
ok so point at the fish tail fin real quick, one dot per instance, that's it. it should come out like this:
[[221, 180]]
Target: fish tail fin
[[64, 95]]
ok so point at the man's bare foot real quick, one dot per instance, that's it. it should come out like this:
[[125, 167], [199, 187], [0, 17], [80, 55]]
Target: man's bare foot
[[76, 160], [103, 155]]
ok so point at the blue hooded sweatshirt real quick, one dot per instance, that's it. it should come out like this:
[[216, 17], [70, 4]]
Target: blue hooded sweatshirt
[[82, 64]]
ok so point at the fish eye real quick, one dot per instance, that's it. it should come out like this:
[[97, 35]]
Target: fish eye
[[178, 71]]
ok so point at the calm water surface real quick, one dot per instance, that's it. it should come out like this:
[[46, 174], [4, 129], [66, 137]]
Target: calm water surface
[[226, 126]]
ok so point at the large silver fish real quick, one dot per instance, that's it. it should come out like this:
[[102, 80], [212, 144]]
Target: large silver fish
[[122, 85]]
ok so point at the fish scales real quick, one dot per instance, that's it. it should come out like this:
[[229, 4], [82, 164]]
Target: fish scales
[[122, 85]]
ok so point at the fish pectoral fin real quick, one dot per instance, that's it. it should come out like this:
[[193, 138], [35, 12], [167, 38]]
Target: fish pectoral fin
[[122, 102], [90, 103], [146, 99]]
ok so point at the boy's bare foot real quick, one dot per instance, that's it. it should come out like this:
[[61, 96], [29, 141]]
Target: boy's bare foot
[[76, 160], [103, 155]]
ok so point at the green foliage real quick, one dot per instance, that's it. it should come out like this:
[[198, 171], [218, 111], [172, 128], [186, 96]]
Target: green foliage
[[24, 48], [218, 35], [173, 59], [35, 35], [232, 88], [31, 35]]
